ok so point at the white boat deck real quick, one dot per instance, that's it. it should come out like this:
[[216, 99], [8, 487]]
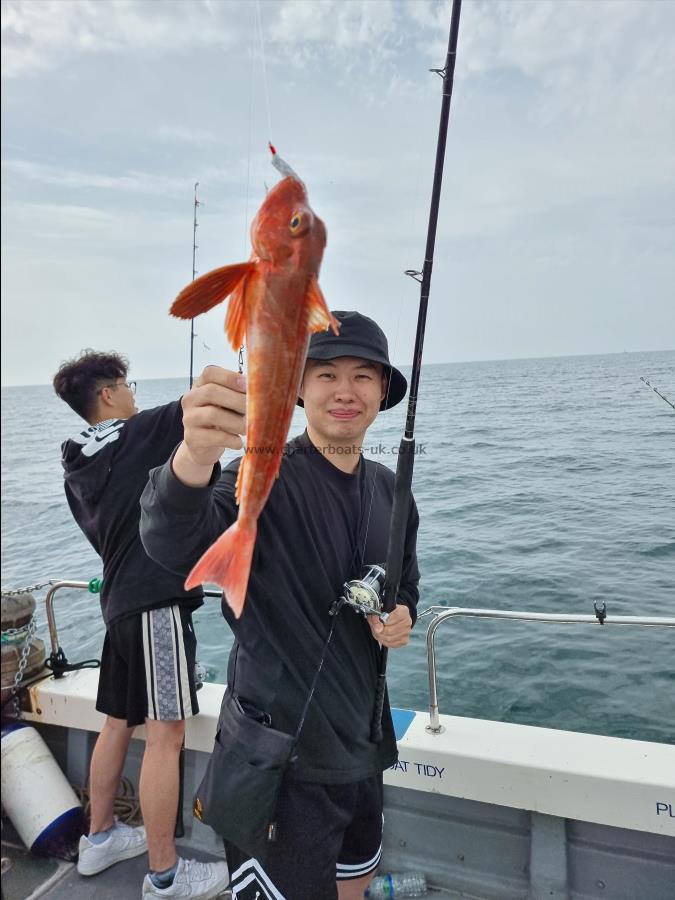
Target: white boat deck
[[604, 780]]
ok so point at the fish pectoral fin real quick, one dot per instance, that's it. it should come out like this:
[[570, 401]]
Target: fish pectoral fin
[[320, 317], [235, 320], [208, 290]]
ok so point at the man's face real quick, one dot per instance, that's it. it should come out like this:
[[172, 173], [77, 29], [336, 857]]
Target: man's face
[[342, 398], [119, 397]]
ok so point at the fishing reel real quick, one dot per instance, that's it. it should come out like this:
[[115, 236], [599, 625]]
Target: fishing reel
[[363, 594]]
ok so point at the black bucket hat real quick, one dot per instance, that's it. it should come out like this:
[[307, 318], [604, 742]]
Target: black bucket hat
[[361, 337]]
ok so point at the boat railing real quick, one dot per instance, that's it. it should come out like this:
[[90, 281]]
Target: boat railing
[[49, 608], [440, 615], [443, 614], [93, 586]]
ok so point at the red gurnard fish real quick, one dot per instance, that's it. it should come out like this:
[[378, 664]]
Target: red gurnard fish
[[275, 304]]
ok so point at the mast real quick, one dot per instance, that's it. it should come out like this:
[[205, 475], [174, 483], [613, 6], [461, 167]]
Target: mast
[[195, 226], [406, 457]]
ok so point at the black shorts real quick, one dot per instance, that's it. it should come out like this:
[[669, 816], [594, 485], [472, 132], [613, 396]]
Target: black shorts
[[326, 833], [148, 667]]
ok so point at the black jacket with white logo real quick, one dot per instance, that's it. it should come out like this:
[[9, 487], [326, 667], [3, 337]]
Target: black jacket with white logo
[[106, 468]]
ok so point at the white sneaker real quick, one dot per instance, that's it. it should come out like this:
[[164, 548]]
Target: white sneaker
[[193, 880], [123, 842]]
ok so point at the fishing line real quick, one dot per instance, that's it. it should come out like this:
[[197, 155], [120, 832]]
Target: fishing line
[[251, 116], [193, 334], [416, 206], [264, 69], [257, 32]]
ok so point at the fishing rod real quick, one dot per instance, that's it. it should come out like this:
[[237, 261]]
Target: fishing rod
[[656, 391], [406, 455], [195, 226]]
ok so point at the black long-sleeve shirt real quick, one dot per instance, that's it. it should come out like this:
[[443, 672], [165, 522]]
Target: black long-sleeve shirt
[[106, 467], [319, 525]]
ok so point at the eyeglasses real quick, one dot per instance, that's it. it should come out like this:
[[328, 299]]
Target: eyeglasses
[[115, 384]]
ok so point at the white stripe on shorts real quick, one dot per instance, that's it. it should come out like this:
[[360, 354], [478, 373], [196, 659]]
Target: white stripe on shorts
[[344, 871], [252, 873], [166, 667]]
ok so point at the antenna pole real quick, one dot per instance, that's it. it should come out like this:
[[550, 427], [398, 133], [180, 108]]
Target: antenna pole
[[195, 226]]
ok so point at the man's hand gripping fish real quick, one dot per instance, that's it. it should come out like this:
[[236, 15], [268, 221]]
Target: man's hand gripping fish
[[275, 304]]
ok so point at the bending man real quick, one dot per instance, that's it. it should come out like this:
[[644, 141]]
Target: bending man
[[148, 660]]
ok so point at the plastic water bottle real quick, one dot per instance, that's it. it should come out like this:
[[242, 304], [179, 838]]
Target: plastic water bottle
[[201, 673], [395, 885]]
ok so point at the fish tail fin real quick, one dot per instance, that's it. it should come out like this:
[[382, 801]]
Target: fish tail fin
[[207, 291], [227, 563]]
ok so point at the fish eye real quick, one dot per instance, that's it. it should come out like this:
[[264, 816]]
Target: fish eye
[[296, 223]]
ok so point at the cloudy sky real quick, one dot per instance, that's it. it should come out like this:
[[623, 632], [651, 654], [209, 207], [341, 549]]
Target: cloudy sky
[[556, 231]]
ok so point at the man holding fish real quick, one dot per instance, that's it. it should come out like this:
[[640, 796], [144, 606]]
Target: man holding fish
[[302, 518]]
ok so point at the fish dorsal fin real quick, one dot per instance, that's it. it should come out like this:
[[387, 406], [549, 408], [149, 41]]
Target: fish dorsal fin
[[320, 317], [207, 291]]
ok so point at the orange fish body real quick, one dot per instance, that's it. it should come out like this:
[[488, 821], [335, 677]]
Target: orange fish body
[[275, 304]]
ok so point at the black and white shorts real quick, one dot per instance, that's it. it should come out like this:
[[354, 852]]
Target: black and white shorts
[[325, 833], [148, 667]]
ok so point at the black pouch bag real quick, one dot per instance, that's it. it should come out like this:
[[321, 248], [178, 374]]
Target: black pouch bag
[[239, 791], [238, 794]]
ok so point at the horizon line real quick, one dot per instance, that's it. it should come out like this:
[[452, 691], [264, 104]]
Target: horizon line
[[462, 362]]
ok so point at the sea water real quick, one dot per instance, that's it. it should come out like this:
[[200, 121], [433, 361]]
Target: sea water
[[542, 485]]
